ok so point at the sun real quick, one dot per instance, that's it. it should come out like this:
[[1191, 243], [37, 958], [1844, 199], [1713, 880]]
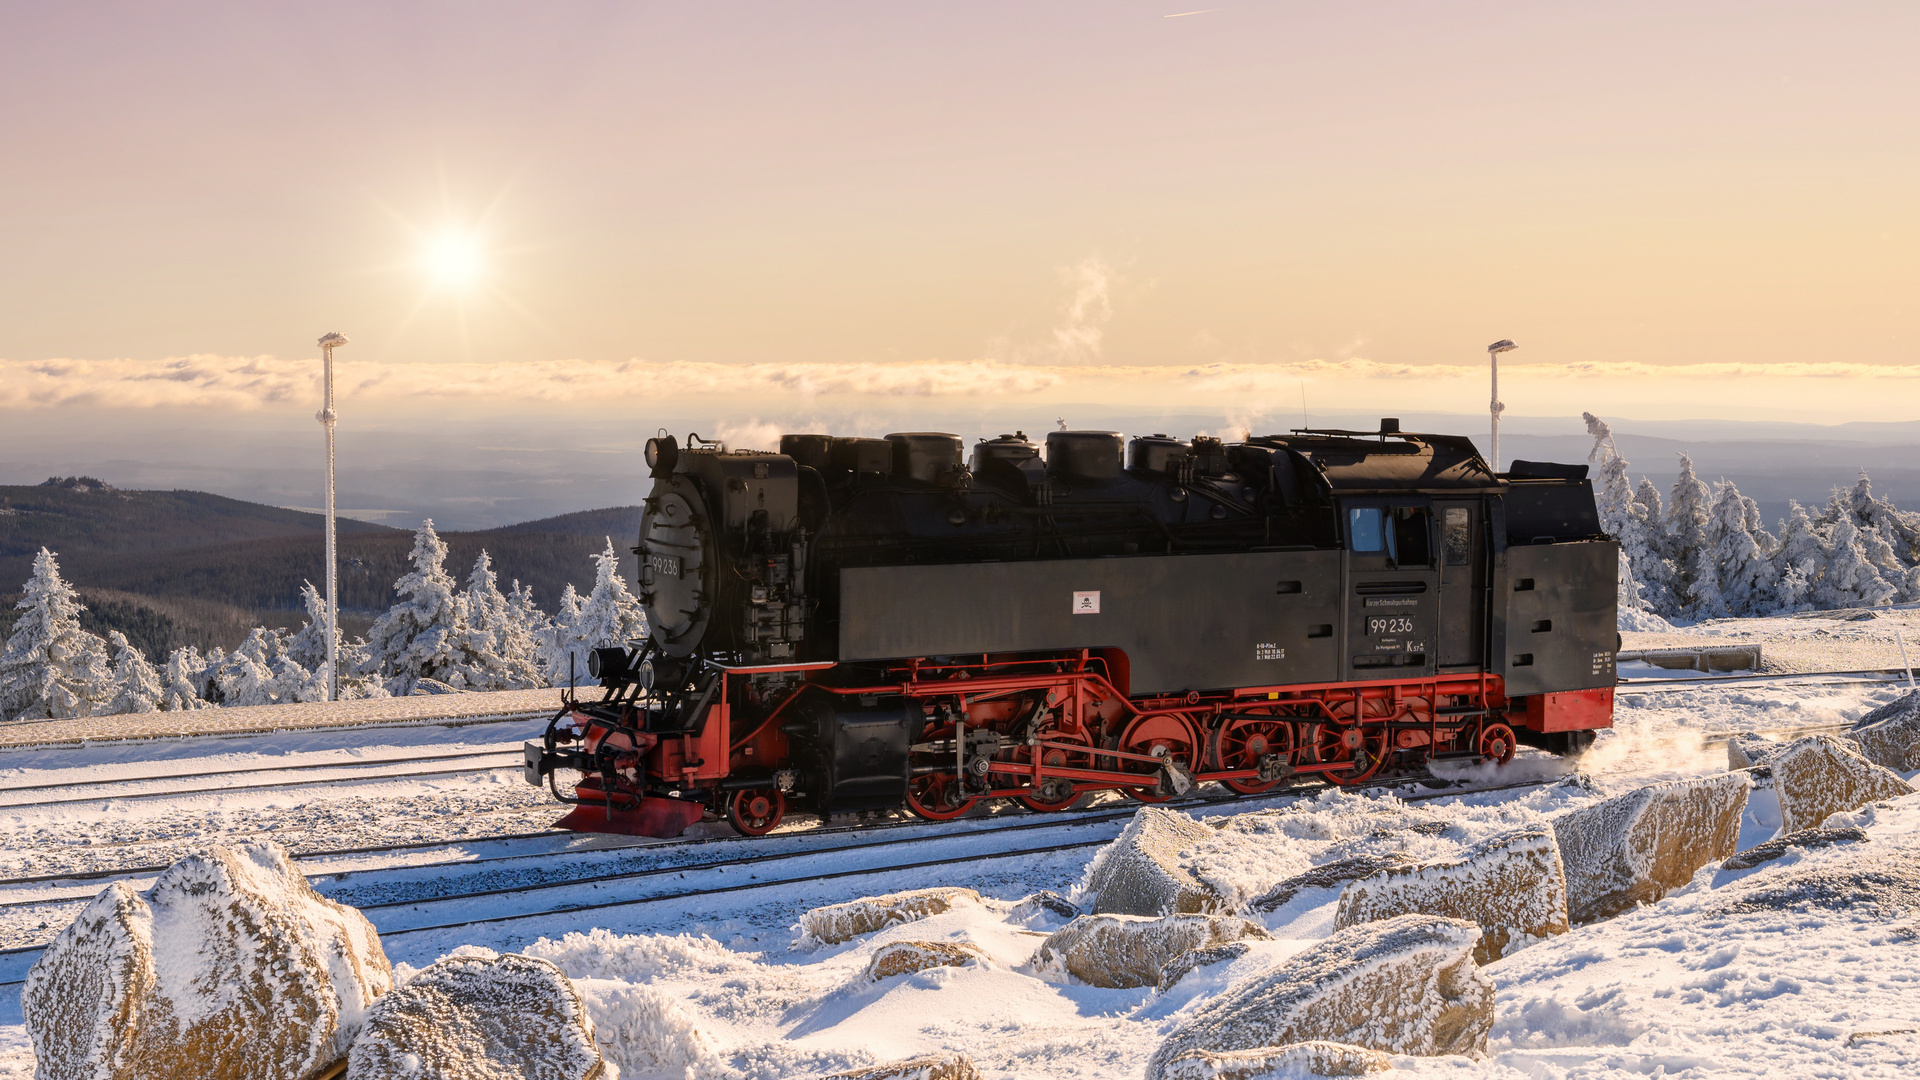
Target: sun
[[453, 260]]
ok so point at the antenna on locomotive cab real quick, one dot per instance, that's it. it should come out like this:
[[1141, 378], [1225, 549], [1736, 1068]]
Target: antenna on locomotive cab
[[1495, 406]]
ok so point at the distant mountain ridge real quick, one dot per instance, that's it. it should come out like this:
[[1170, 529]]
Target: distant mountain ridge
[[171, 568]]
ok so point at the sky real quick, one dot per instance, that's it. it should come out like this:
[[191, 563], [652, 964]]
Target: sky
[[768, 215]]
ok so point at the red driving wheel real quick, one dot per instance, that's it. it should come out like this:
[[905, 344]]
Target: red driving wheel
[[1327, 744], [1240, 744], [1165, 736], [1498, 743], [757, 810]]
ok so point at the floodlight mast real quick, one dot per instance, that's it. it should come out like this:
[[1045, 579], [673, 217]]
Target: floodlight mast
[[1495, 406], [326, 416]]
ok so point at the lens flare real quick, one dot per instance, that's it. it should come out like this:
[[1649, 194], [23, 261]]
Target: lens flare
[[453, 260]]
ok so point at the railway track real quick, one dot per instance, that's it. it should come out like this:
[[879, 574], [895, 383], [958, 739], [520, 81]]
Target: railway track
[[497, 760]]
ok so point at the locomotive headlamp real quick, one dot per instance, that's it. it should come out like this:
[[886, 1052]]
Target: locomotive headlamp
[[608, 665], [662, 452], [645, 675]]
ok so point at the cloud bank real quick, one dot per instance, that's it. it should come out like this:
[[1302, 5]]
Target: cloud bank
[[249, 383]]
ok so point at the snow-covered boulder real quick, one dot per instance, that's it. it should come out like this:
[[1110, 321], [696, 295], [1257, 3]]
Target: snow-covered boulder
[[1804, 840], [1277, 1062], [906, 957], [229, 968], [930, 1067], [1043, 904], [479, 1018], [1749, 749], [1512, 885], [1634, 848], [1327, 874], [1820, 775], [1406, 985], [1206, 956], [836, 923], [1140, 873], [1135, 950], [1889, 736]]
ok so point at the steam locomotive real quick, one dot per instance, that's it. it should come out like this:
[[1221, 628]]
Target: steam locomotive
[[857, 624]]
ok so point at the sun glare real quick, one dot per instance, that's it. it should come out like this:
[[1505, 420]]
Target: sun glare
[[452, 260]]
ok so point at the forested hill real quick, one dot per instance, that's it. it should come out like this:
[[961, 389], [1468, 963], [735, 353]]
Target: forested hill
[[170, 568]]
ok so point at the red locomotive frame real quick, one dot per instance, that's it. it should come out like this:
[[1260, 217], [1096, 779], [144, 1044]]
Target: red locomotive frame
[[1045, 731]]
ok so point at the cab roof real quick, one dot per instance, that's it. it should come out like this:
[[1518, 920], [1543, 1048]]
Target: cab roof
[[1355, 463]]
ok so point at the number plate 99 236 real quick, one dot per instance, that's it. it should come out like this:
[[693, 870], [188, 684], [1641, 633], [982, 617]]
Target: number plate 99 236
[[1389, 624]]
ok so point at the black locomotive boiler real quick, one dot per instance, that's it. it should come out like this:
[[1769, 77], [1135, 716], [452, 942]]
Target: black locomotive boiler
[[864, 624]]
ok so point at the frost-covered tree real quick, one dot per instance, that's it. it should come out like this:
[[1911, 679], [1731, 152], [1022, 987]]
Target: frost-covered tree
[[500, 660], [1799, 560], [136, 686], [610, 616], [557, 640], [307, 649], [1686, 537], [308, 645], [51, 668], [527, 626], [424, 635], [1624, 518], [1745, 579], [1850, 580], [185, 680], [260, 672]]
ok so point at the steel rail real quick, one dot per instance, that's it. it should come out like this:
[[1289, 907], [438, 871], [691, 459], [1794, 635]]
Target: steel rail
[[353, 764], [257, 787]]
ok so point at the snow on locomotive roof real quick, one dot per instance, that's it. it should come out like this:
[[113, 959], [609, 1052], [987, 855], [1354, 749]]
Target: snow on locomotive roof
[[1389, 461]]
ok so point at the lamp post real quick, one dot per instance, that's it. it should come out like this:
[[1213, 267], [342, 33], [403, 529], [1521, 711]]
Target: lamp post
[[326, 417], [1495, 406]]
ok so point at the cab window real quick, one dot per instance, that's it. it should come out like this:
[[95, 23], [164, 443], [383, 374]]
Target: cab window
[[1412, 544], [1366, 529]]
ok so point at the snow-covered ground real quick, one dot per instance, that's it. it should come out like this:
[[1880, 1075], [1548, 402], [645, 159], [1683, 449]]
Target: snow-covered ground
[[1780, 970]]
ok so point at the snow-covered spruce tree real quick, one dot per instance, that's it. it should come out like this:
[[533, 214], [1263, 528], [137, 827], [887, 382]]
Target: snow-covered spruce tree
[[424, 635], [610, 616], [51, 669], [1901, 528], [1655, 573], [1747, 582], [557, 639], [1800, 560], [307, 649], [1623, 518], [527, 627], [1686, 529], [308, 645], [490, 635], [185, 682], [136, 686], [259, 672], [1850, 580]]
